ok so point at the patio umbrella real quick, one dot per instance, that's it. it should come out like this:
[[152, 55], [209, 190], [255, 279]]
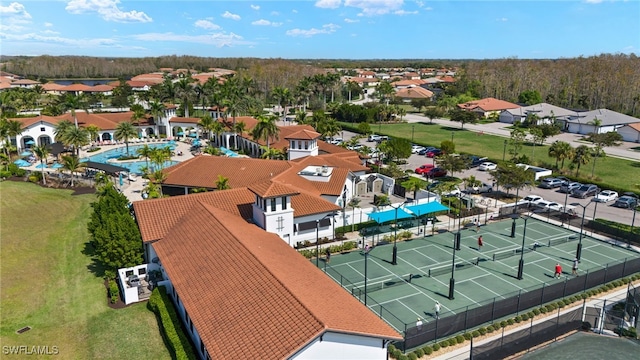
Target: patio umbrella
[[193, 135], [21, 163], [40, 166], [30, 142], [26, 153], [57, 166], [180, 133]]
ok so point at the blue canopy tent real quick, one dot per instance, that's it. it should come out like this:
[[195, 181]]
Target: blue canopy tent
[[26, 153], [22, 163], [30, 142], [57, 166], [389, 215], [41, 165], [428, 208]]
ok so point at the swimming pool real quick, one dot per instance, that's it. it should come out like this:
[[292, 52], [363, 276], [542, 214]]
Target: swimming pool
[[132, 166]]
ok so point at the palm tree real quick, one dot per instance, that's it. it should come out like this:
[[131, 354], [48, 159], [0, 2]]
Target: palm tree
[[582, 156], [138, 114], [186, 93], [145, 151], [156, 110], [217, 128], [76, 137], [159, 156], [93, 131], [353, 203], [272, 153], [61, 129], [41, 152], [125, 131], [266, 129], [158, 178], [303, 90], [414, 184], [10, 129], [283, 96], [206, 124], [72, 102], [72, 164], [560, 150], [222, 183]]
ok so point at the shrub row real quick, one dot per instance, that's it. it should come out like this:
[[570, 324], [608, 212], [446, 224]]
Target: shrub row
[[459, 339], [311, 253], [161, 305], [114, 291], [356, 227]]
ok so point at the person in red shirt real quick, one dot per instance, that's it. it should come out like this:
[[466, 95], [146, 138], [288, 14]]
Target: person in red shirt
[[558, 271], [480, 243]]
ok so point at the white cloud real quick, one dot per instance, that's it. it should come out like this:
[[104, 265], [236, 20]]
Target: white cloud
[[375, 7], [404, 12], [328, 4], [593, 1], [48, 24], [57, 39], [219, 39], [255, 7], [206, 24], [350, 21], [107, 9], [50, 32], [326, 29], [275, 13], [15, 9], [294, 11], [504, 19], [263, 22], [228, 15], [420, 4]]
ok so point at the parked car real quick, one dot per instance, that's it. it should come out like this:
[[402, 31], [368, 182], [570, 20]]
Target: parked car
[[487, 166], [531, 199], [373, 137], [482, 188], [433, 153], [382, 138], [585, 190], [475, 161], [626, 202], [606, 196], [568, 187], [335, 141], [426, 150], [545, 205], [355, 147], [416, 149], [551, 183], [423, 169], [436, 172]]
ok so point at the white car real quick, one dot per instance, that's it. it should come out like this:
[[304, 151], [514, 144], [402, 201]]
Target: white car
[[548, 205], [606, 196], [531, 200], [416, 149], [487, 166]]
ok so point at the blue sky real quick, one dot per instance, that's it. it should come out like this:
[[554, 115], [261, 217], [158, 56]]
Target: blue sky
[[347, 29]]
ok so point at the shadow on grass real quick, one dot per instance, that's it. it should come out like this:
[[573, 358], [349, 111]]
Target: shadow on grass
[[449, 128], [95, 267], [635, 164]]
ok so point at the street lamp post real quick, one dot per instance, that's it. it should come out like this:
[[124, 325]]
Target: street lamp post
[[564, 209], [413, 126], [633, 220], [513, 226], [366, 257], [579, 247], [452, 136], [521, 262], [394, 257], [452, 281], [504, 150]]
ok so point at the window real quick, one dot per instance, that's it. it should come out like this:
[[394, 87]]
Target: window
[[306, 145], [202, 347], [42, 129], [273, 204], [128, 273], [284, 203], [142, 271], [264, 204]]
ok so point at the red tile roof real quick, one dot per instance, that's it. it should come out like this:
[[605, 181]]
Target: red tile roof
[[303, 134], [253, 290], [488, 104], [270, 189], [189, 120], [414, 93]]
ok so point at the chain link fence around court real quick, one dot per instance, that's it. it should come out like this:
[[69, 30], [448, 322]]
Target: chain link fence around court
[[470, 317], [525, 339]]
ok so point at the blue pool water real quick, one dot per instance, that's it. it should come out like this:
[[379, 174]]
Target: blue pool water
[[228, 152], [133, 166]]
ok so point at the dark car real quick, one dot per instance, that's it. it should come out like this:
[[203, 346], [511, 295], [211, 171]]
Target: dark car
[[568, 187], [433, 153], [626, 202], [436, 172], [426, 150], [551, 183], [474, 161], [585, 190]]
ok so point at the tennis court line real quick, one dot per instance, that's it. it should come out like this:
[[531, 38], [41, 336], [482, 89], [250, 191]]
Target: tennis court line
[[402, 297], [473, 278], [615, 247], [486, 288], [592, 246], [571, 255]]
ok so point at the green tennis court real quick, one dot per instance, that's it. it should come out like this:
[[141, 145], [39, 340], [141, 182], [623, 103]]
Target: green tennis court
[[409, 290]]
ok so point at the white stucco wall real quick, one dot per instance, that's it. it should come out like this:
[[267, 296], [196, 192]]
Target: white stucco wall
[[333, 345], [629, 134]]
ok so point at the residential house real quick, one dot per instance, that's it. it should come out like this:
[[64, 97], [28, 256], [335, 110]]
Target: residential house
[[596, 121], [544, 113], [630, 132], [413, 92], [487, 106]]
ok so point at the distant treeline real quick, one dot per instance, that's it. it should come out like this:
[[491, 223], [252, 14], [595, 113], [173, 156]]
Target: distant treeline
[[606, 81]]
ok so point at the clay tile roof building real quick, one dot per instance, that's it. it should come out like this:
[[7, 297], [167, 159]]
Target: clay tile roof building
[[255, 297], [487, 106], [303, 134], [415, 92], [269, 189]]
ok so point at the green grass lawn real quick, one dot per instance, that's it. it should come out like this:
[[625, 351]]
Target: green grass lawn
[[614, 171], [48, 282]]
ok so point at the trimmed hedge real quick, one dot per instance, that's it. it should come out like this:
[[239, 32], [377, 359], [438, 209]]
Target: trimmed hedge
[[161, 305], [356, 227]]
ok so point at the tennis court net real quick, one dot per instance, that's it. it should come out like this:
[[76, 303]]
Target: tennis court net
[[562, 240], [459, 266], [509, 253], [383, 284]]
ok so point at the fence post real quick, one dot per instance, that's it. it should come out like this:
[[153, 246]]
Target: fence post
[[466, 314], [564, 290], [604, 279], [542, 294], [493, 308], [435, 336], [584, 288], [624, 266], [471, 351], [557, 324], [518, 306]]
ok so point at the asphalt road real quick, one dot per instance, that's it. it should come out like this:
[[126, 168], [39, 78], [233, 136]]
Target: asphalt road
[[604, 211]]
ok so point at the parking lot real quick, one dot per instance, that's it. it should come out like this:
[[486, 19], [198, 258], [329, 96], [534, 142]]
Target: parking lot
[[603, 210]]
